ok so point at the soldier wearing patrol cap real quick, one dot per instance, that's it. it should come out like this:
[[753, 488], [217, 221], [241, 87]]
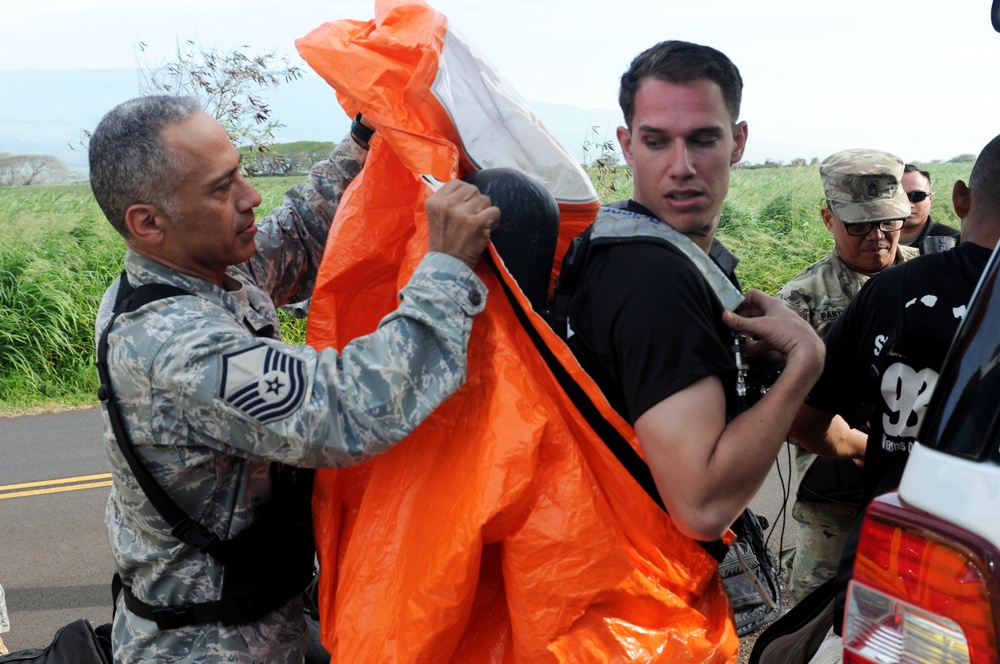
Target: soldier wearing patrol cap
[[884, 357], [865, 209]]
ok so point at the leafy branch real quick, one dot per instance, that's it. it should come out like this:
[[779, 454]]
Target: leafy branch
[[229, 83]]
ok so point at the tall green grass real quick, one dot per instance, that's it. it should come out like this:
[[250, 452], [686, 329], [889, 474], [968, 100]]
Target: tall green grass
[[58, 255], [771, 217]]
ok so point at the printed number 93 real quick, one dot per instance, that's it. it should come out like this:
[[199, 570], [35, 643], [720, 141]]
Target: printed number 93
[[906, 393]]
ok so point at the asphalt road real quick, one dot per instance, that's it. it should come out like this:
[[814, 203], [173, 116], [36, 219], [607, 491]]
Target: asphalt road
[[54, 561]]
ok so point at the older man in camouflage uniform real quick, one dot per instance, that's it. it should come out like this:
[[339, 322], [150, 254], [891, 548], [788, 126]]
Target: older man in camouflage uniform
[[865, 209], [212, 401]]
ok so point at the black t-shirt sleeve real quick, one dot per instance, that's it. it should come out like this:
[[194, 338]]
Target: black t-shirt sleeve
[[653, 324], [844, 386]]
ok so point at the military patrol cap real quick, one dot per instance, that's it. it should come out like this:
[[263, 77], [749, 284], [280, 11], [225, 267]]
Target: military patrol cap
[[864, 186]]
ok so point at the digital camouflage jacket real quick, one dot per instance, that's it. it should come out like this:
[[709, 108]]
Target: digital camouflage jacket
[[211, 398]]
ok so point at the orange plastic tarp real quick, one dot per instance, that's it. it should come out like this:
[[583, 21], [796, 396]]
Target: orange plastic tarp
[[502, 530]]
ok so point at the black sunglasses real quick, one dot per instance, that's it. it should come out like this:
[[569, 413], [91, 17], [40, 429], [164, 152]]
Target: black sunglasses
[[917, 196]]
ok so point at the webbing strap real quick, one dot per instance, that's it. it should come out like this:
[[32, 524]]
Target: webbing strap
[[183, 527], [615, 442], [228, 611], [252, 587]]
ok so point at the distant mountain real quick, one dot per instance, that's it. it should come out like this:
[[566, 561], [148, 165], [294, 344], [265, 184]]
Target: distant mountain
[[47, 111]]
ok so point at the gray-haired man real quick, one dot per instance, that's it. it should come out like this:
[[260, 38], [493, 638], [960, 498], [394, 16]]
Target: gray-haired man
[[198, 388]]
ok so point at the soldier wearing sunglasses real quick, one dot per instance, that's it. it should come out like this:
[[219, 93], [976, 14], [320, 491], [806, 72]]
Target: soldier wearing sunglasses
[[865, 209], [919, 226]]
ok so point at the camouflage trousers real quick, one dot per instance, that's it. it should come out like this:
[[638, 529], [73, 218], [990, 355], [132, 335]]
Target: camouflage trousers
[[822, 532]]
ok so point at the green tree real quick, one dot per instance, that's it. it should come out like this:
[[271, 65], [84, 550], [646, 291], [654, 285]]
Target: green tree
[[229, 83], [28, 169], [600, 160], [285, 158]]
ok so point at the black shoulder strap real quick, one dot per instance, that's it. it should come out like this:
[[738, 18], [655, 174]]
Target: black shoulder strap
[[557, 313], [615, 442], [572, 270], [265, 565], [183, 527]]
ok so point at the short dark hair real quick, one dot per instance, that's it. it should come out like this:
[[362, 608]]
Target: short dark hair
[[985, 178], [681, 62], [910, 168], [129, 163]]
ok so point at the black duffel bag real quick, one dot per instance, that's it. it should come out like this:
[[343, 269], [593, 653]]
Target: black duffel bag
[[76, 643]]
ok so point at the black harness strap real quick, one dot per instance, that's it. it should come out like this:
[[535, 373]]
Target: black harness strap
[[265, 565], [183, 527], [615, 442], [222, 610]]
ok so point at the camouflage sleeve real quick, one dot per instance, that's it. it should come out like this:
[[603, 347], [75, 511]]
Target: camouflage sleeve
[[797, 301], [292, 237], [261, 399]]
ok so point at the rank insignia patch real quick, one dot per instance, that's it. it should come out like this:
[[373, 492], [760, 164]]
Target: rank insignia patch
[[262, 382]]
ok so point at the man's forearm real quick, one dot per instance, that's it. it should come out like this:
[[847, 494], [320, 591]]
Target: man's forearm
[[749, 444], [329, 178], [385, 384], [827, 434], [707, 471]]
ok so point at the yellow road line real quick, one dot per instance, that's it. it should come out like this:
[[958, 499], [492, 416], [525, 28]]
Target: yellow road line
[[65, 480], [55, 486]]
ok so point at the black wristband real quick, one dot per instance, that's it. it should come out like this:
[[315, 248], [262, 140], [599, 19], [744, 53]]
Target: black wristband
[[362, 134]]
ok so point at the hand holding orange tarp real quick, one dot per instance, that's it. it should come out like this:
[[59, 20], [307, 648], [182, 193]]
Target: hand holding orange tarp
[[502, 530]]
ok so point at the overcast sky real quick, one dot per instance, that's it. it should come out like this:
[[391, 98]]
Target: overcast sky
[[919, 78]]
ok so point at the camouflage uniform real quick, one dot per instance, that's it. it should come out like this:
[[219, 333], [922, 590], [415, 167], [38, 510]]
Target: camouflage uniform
[[209, 406], [861, 186], [819, 294]]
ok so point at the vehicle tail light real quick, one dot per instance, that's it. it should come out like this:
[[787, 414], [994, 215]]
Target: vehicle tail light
[[921, 591]]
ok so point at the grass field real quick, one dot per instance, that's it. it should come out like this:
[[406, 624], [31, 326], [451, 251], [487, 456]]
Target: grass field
[[58, 255]]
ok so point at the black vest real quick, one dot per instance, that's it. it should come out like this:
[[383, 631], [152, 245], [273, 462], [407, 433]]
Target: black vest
[[265, 565]]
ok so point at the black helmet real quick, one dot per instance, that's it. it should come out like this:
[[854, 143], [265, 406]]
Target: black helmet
[[528, 230]]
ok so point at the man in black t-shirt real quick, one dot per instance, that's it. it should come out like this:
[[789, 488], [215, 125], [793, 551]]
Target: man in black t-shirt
[[652, 315], [885, 351]]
